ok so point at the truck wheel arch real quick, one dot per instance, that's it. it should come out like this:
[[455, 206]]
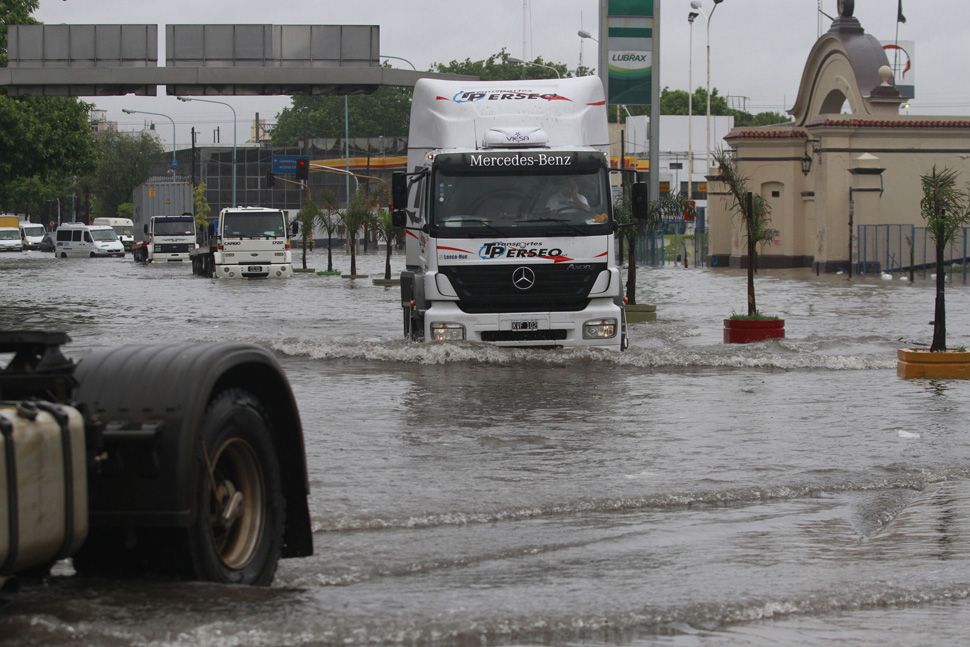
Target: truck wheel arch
[[151, 400]]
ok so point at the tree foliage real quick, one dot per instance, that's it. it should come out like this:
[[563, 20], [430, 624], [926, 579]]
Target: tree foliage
[[385, 112], [675, 102], [124, 161], [45, 144], [200, 205], [946, 209]]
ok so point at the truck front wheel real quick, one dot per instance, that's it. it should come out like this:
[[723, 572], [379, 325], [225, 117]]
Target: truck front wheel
[[237, 536]]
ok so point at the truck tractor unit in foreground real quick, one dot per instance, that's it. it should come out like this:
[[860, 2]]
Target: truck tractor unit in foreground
[[182, 460], [506, 206]]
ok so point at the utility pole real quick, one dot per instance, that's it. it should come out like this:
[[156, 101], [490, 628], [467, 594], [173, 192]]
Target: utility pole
[[194, 181]]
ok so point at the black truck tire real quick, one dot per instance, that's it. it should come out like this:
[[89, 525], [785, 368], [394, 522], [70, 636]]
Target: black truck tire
[[237, 536]]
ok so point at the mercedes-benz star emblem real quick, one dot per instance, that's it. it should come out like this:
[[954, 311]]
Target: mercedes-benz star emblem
[[523, 278]]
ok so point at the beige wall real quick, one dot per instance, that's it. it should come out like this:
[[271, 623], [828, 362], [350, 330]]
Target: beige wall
[[811, 213]]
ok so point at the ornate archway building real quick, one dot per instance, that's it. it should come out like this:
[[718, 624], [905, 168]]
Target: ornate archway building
[[865, 157]]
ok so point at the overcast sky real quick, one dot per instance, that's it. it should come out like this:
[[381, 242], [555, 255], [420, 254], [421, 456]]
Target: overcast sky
[[758, 47]]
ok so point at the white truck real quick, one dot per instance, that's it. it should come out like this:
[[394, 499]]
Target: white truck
[[245, 243], [168, 238], [507, 211]]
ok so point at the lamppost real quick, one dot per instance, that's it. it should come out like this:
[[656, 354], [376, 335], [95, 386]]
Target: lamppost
[[696, 5], [158, 114], [398, 58], [519, 61], [234, 202], [691, 16]]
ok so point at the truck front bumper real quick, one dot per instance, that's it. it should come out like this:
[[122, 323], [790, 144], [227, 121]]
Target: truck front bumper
[[260, 271], [542, 329]]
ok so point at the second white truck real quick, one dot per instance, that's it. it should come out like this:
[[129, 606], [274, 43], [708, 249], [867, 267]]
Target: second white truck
[[246, 243]]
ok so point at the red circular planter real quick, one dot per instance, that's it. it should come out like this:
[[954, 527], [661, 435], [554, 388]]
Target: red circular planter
[[743, 331]]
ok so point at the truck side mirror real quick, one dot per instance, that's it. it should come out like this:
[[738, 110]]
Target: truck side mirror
[[399, 199], [640, 195], [399, 191]]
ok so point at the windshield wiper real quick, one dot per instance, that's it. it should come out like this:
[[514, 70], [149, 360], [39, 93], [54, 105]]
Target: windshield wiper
[[560, 221]]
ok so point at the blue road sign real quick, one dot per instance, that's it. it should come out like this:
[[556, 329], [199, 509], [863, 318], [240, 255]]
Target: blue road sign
[[285, 164]]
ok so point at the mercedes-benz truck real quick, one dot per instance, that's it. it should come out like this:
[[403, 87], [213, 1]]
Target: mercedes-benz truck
[[506, 206]]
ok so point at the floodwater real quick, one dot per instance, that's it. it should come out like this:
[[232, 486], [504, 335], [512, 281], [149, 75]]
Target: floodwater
[[685, 492]]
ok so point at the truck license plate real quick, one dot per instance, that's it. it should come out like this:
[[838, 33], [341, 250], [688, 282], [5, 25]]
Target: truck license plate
[[254, 268], [525, 325]]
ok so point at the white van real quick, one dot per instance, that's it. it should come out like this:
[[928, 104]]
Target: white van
[[10, 239], [124, 227], [77, 239], [32, 233]]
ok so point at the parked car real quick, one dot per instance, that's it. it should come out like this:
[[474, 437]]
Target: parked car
[[46, 244]]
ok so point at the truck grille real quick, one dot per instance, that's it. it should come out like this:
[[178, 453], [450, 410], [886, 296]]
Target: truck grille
[[523, 335], [172, 248], [557, 288]]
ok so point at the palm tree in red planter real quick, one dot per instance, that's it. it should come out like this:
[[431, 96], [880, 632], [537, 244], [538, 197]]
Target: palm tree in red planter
[[755, 221]]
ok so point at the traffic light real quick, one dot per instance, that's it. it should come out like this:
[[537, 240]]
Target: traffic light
[[270, 179], [303, 168]]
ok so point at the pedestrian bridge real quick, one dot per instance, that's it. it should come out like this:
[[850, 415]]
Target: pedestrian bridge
[[106, 60]]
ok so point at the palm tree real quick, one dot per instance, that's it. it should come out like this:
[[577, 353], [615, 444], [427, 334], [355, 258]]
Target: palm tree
[[329, 218], [754, 214], [946, 209], [357, 213], [308, 217]]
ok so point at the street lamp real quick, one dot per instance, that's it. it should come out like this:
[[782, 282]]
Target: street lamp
[[582, 33], [398, 58], [696, 5], [234, 202], [691, 16], [519, 61], [158, 114]]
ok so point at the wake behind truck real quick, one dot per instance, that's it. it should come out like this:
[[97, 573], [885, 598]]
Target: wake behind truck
[[508, 218], [245, 243]]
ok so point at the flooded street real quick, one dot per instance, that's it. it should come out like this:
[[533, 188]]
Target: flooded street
[[685, 492]]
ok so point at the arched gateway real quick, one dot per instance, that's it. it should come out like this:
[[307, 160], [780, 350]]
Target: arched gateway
[[847, 150]]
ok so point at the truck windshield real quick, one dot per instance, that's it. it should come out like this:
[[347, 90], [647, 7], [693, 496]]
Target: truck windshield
[[9, 234], [514, 203], [174, 227], [34, 230], [103, 234], [254, 224], [123, 230]]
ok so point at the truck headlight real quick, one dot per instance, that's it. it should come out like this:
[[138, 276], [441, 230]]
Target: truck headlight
[[441, 331], [599, 329]]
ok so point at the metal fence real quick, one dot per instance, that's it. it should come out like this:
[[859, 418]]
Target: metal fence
[[908, 249], [656, 248]]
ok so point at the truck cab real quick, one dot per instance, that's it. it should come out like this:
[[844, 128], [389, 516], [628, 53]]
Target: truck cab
[[246, 243], [508, 218], [170, 238]]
